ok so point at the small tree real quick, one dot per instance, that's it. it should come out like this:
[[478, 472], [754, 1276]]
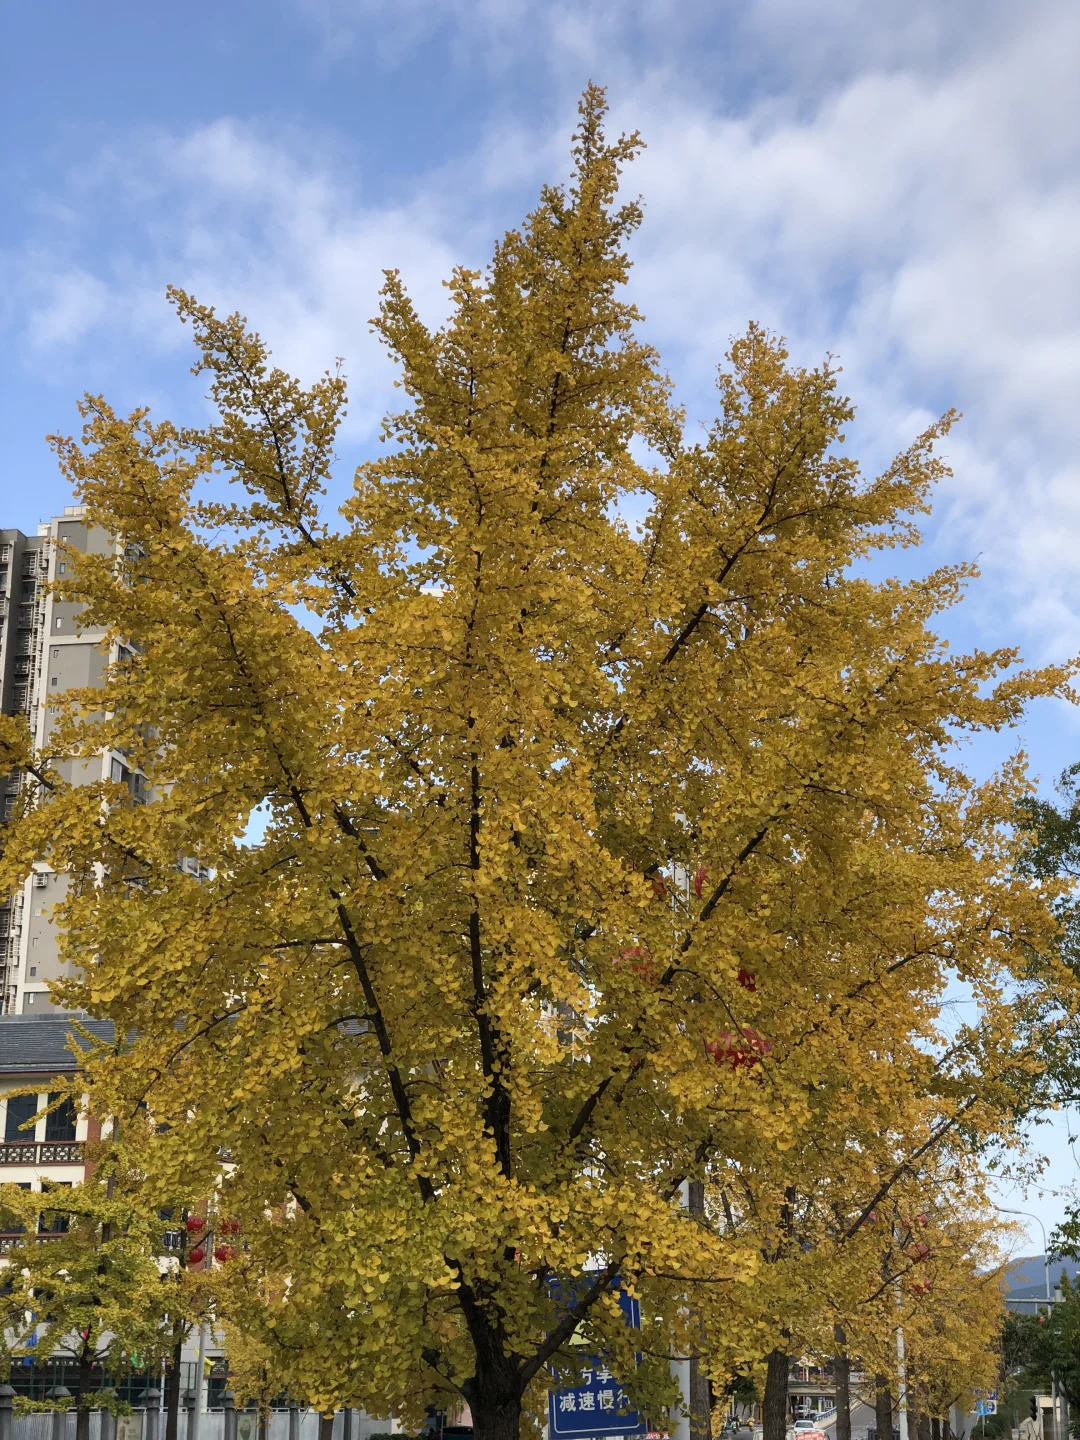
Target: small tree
[[84, 1280]]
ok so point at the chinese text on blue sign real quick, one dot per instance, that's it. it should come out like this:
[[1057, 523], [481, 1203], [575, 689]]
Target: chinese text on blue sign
[[597, 1405]]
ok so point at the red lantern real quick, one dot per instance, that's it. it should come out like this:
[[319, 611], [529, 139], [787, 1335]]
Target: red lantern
[[223, 1253], [737, 1050], [197, 1256], [639, 960], [748, 980], [758, 1044], [194, 1223]]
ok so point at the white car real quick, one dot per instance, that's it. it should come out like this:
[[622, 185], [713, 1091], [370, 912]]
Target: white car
[[805, 1430]]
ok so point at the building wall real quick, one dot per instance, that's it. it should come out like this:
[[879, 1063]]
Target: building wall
[[42, 962], [31, 1160], [22, 607], [43, 653]]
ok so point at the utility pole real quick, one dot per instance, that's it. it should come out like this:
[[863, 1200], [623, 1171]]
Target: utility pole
[[901, 1368], [902, 1415], [201, 1362], [680, 1368]]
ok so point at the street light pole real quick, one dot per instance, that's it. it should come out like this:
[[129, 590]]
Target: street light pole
[[1061, 1422], [1006, 1210]]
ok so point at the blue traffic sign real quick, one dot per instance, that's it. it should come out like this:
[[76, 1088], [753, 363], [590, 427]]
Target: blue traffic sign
[[597, 1404]]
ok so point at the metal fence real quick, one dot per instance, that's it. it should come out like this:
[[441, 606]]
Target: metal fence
[[211, 1426]]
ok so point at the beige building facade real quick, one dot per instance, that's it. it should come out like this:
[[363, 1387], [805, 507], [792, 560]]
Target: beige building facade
[[35, 1054]]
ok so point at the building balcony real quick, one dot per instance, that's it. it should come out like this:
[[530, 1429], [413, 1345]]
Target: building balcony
[[8, 1238], [42, 1152]]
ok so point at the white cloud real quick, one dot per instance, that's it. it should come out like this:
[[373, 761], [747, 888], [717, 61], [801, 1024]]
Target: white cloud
[[70, 302], [248, 223], [925, 224], [896, 183]]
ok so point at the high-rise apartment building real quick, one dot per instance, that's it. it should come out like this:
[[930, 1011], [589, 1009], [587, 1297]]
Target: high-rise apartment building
[[43, 653]]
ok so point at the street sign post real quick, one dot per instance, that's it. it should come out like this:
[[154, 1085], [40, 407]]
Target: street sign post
[[986, 1403], [597, 1404]]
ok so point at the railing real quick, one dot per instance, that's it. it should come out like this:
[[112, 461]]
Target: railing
[[13, 1237], [45, 1152]]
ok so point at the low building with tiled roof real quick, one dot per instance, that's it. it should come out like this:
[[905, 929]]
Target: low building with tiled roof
[[34, 1050]]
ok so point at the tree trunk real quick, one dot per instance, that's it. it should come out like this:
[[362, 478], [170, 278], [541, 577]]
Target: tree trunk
[[923, 1426], [774, 1407], [493, 1392], [842, 1372], [700, 1406], [935, 1428], [497, 1421], [326, 1426], [883, 1407], [172, 1388], [82, 1413]]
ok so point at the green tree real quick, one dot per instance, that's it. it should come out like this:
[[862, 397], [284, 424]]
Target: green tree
[[1052, 859], [1044, 1349], [84, 1280], [1054, 853]]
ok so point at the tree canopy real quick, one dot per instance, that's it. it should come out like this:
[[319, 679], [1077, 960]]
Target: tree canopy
[[594, 857]]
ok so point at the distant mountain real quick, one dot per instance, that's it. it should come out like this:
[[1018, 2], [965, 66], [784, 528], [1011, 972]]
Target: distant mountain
[[1026, 1277]]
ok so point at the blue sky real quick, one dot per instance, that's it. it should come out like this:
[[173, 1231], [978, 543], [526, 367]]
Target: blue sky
[[894, 182]]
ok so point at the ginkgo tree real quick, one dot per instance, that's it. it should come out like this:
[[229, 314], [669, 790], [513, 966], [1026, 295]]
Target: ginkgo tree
[[840, 1218], [924, 1315], [579, 842], [84, 1282]]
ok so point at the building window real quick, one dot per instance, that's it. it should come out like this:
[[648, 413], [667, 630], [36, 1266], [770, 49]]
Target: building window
[[56, 652], [62, 567], [14, 1229], [50, 1222], [20, 1109], [30, 999], [60, 1123], [59, 622], [33, 971]]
